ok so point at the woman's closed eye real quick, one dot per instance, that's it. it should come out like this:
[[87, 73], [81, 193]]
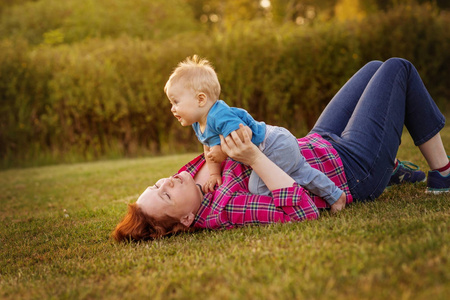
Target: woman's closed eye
[[157, 184], [165, 193]]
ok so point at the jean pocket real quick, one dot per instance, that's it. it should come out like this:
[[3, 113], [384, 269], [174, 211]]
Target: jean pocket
[[371, 187]]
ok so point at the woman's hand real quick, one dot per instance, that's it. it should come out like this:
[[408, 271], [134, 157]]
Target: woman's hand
[[243, 150]]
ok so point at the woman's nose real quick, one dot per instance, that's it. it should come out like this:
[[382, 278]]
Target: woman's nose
[[172, 109], [169, 181]]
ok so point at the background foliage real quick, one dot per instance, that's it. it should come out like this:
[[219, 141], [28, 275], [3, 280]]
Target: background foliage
[[83, 79]]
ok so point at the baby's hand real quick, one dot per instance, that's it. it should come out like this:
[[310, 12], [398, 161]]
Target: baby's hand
[[216, 154], [339, 204], [213, 180]]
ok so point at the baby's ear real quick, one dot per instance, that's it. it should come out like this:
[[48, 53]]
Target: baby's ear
[[202, 99]]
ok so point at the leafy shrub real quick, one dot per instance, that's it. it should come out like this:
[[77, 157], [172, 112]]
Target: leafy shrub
[[104, 96], [75, 20], [418, 33]]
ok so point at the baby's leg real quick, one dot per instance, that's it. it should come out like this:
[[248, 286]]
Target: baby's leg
[[256, 185], [281, 147]]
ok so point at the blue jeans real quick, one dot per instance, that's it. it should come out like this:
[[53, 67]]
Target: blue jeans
[[364, 122]]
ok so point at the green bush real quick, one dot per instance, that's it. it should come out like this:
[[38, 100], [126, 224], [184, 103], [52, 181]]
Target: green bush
[[287, 76], [103, 97], [68, 21], [418, 33], [8, 3]]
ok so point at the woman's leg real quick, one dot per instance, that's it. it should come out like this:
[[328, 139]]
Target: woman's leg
[[438, 180], [395, 95], [336, 115], [434, 152]]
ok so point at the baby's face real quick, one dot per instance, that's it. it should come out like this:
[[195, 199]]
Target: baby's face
[[185, 104]]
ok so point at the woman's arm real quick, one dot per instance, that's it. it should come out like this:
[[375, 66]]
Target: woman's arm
[[246, 152]]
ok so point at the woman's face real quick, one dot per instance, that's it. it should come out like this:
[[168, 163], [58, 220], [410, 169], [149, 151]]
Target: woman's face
[[177, 196]]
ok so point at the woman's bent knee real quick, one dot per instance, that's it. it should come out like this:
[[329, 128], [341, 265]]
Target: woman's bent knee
[[398, 61], [374, 63]]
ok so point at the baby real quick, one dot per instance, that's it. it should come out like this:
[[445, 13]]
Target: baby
[[193, 90]]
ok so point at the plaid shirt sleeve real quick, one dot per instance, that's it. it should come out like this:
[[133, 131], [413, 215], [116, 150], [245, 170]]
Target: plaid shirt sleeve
[[287, 204], [296, 203], [321, 155], [232, 205]]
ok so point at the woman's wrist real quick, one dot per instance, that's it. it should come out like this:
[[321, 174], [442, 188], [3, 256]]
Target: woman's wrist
[[258, 158]]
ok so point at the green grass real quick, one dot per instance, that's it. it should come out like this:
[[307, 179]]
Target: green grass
[[55, 224]]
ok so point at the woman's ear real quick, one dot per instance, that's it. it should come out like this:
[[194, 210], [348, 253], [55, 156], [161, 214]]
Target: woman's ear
[[187, 220], [202, 99]]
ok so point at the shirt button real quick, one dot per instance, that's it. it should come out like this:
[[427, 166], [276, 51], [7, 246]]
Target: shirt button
[[357, 180]]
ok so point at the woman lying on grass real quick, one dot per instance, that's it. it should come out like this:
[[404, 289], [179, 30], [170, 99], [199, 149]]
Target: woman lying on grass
[[354, 143]]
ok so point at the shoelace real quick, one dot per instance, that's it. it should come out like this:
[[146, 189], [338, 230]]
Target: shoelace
[[408, 165]]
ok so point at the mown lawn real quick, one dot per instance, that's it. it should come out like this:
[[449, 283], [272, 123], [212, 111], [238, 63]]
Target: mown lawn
[[55, 224]]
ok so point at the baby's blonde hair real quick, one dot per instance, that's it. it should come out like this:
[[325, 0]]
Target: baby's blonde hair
[[197, 73]]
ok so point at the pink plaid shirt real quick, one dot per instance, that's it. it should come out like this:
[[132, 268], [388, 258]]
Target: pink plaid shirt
[[321, 155], [233, 205]]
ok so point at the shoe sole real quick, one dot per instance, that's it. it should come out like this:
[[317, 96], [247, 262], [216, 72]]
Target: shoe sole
[[437, 192], [406, 182]]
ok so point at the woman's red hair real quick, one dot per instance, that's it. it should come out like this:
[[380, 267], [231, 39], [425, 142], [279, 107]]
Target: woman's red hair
[[136, 226]]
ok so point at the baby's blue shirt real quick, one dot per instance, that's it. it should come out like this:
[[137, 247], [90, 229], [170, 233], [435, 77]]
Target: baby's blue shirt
[[223, 119]]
